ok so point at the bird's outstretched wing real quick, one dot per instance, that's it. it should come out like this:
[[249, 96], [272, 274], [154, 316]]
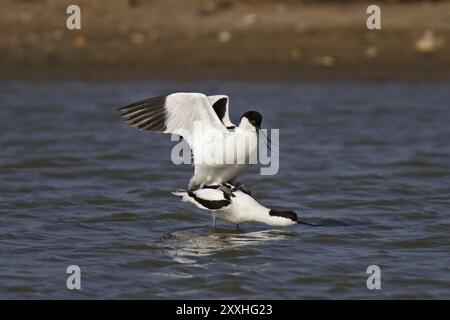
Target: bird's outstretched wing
[[175, 113], [220, 105]]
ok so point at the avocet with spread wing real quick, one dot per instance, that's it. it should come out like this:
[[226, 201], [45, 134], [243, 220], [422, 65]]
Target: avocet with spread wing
[[220, 149]]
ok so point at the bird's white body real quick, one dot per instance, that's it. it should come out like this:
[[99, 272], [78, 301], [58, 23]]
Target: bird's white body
[[237, 208], [220, 157]]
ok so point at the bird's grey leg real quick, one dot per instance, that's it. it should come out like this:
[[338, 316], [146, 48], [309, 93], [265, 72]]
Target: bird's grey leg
[[214, 222], [237, 227], [226, 190], [243, 188]]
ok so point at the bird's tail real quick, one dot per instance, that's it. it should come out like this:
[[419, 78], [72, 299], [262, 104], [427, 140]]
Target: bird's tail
[[181, 193]]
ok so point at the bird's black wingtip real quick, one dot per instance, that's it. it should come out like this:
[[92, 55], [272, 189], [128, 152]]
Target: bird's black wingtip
[[155, 101], [146, 115]]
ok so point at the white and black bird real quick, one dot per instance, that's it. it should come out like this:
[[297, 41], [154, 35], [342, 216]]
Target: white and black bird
[[237, 206], [183, 114]]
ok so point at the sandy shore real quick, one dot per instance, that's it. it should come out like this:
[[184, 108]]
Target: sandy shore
[[193, 39]]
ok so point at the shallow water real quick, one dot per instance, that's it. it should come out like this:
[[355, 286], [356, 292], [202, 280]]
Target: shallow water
[[80, 187]]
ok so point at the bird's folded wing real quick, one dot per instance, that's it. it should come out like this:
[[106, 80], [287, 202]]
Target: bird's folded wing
[[176, 113], [211, 199]]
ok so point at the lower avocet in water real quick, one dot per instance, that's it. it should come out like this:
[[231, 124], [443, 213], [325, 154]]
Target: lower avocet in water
[[235, 205]]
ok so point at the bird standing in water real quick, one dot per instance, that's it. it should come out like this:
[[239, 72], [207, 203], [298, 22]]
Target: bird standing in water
[[237, 206]]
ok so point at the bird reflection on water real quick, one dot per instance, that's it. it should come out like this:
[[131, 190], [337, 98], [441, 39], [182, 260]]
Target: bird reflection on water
[[185, 247]]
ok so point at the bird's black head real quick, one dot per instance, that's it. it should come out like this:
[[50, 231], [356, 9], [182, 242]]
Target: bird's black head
[[254, 117], [284, 214]]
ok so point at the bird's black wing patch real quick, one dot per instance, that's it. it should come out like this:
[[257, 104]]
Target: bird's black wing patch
[[148, 115], [284, 214], [220, 107], [210, 204]]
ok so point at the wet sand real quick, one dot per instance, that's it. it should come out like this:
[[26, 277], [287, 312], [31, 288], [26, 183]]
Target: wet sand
[[250, 40]]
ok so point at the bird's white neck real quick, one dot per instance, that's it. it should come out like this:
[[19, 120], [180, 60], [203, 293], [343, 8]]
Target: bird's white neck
[[244, 124]]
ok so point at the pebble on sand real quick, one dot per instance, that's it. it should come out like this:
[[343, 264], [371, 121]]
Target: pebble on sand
[[326, 61], [79, 42], [224, 36], [295, 54], [301, 27], [371, 52], [428, 43], [248, 20], [211, 7], [137, 38]]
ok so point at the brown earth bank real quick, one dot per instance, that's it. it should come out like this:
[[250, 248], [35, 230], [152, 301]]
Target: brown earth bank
[[225, 39]]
